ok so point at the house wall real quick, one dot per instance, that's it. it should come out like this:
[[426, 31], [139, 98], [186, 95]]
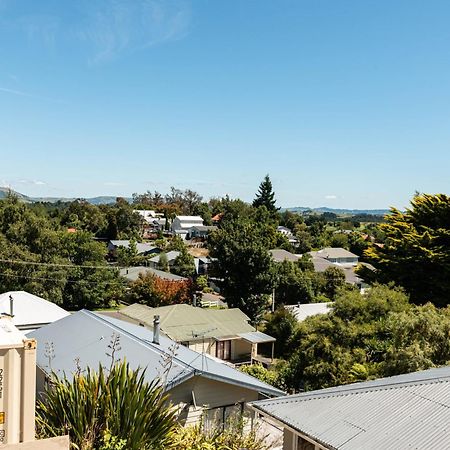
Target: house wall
[[208, 346], [208, 394], [240, 349]]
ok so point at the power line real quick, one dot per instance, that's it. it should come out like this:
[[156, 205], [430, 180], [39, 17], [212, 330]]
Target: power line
[[68, 266], [31, 277]]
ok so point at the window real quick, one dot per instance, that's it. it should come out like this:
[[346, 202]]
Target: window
[[223, 350]]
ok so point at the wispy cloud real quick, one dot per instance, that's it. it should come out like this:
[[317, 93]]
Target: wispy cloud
[[29, 95], [31, 182], [331, 197], [118, 26]]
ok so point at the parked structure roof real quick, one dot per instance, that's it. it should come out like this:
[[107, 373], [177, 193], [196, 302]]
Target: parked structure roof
[[90, 347], [132, 273], [409, 411], [280, 255], [189, 323], [30, 311], [302, 311]]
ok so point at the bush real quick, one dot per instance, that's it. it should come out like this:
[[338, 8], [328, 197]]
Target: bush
[[107, 409]]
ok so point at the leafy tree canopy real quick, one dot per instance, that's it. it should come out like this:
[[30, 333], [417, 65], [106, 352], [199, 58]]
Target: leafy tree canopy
[[416, 251]]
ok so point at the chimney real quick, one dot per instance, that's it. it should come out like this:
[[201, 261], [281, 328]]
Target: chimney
[[156, 329], [11, 306]]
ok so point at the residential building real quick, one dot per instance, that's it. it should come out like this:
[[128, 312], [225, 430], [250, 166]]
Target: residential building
[[280, 255], [200, 231], [171, 257], [201, 386], [303, 311], [337, 255], [182, 224], [29, 311], [152, 222], [132, 273], [142, 248], [402, 412], [341, 258], [288, 234], [223, 333]]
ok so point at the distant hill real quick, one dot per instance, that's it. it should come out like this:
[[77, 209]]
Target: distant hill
[[101, 200], [106, 199], [338, 211]]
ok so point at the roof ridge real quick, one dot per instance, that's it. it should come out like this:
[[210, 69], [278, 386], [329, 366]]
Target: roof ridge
[[313, 395]]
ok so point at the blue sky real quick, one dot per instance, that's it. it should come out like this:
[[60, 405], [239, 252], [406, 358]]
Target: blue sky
[[344, 103]]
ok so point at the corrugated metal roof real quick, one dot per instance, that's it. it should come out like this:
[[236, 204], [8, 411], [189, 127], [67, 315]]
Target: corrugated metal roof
[[30, 311], [280, 255], [257, 337], [409, 411], [132, 273], [86, 336], [189, 323], [302, 311]]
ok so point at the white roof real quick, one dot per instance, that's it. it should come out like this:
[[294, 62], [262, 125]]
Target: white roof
[[30, 311], [189, 218], [9, 334], [301, 312]]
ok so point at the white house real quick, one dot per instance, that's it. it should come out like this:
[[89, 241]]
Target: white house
[[182, 224], [29, 312]]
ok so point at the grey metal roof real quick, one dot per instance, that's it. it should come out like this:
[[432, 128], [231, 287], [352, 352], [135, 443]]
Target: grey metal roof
[[132, 273], [409, 411], [280, 255], [301, 312], [256, 337], [334, 252], [171, 256], [189, 323], [86, 335], [141, 247]]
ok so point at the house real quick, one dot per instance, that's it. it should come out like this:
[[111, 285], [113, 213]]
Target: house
[[302, 311], [202, 264], [223, 333], [29, 311], [201, 386], [171, 257], [181, 224], [280, 255], [200, 231], [337, 255], [152, 221], [410, 411], [132, 273], [288, 234], [341, 258], [142, 248]]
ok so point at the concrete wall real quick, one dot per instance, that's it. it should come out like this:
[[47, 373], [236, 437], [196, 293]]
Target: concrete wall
[[58, 443]]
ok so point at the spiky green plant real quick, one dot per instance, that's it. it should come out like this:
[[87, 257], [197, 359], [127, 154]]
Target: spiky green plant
[[118, 402]]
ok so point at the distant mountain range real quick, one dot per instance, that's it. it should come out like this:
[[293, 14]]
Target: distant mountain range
[[101, 200], [338, 211], [106, 199]]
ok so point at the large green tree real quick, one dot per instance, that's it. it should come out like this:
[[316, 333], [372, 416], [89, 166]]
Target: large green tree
[[265, 195], [243, 263], [416, 251]]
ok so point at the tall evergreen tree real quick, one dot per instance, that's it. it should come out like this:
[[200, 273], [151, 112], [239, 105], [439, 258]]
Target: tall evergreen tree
[[265, 195]]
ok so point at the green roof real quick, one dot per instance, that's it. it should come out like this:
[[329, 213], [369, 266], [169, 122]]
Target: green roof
[[190, 323]]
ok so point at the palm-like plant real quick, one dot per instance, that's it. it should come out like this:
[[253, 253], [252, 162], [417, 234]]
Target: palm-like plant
[[118, 402]]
